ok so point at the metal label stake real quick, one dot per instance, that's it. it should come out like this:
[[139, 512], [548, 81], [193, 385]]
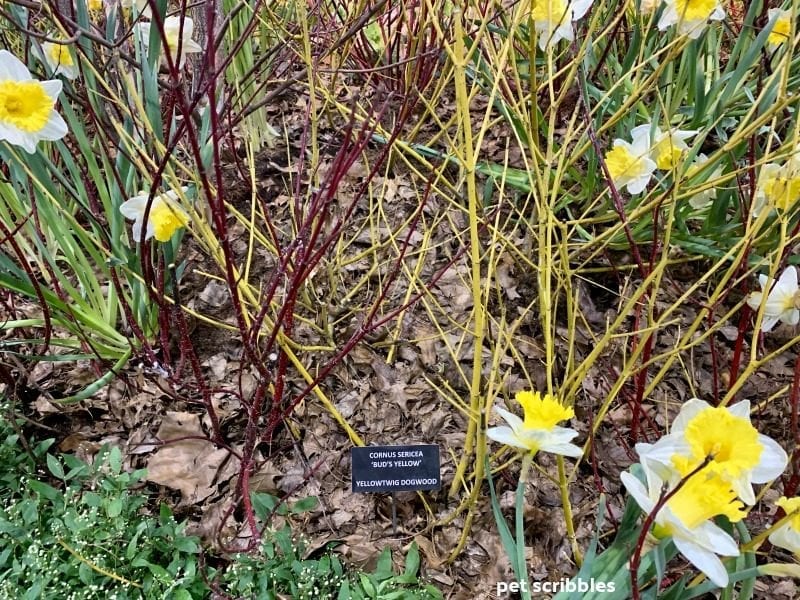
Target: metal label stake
[[394, 514]]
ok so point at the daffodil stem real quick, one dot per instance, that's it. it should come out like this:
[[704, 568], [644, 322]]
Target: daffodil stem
[[521, 566], [563, 484]]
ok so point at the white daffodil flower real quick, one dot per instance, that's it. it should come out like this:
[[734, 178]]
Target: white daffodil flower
[[782, 28], [553, 19], [165, 217], [788, 535], [58, 59], [142, 7], [778, 186], [704, 199], [691, 16], [782, 302], [629, 163], [648, 7], [669, 146], [175, 37], [725, 438], [538, 430], [27, 113], [686, 516]]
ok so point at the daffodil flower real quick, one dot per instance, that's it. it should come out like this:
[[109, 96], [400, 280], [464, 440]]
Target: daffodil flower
[[538, 430], [142, 7], [782, 28], [669, 146], [629, 163], [782, 302], [788, 535], [553, 19], [59, 60], [27, 113], [174, 37], [778, 186], [165, 216], [648, 7], [725, 438], [703, 199], [691, 16], [686, 516]]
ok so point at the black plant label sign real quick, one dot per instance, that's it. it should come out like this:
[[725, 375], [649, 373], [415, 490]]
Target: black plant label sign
[[396, 468]]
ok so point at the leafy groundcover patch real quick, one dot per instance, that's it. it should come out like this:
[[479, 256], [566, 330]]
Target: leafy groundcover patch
[[73, 530]]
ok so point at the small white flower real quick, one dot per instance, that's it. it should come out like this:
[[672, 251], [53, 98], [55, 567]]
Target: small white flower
[[27, 113], [629, 163], [782, 302], [553, 19], [175, 37], [165, 216], [691, 16]]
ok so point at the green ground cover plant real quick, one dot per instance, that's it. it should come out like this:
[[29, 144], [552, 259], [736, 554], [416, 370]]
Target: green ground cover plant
[[78, 531]]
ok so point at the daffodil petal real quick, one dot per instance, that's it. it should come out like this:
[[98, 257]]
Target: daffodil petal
[[637, 490], [505, 435], [741, 409], [772, 463], [13, 68], [513, 420], [690, 409], [705, 560], [768, 323], [55, 128], [563, 449]]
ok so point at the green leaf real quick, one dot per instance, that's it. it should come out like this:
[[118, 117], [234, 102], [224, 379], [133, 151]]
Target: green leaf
[[44, 490], [368, 586], [383, 570], [305, 505], [263, 504], [55, 466], [186, 544], [114, 508], [115, 460], [412, 560]]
